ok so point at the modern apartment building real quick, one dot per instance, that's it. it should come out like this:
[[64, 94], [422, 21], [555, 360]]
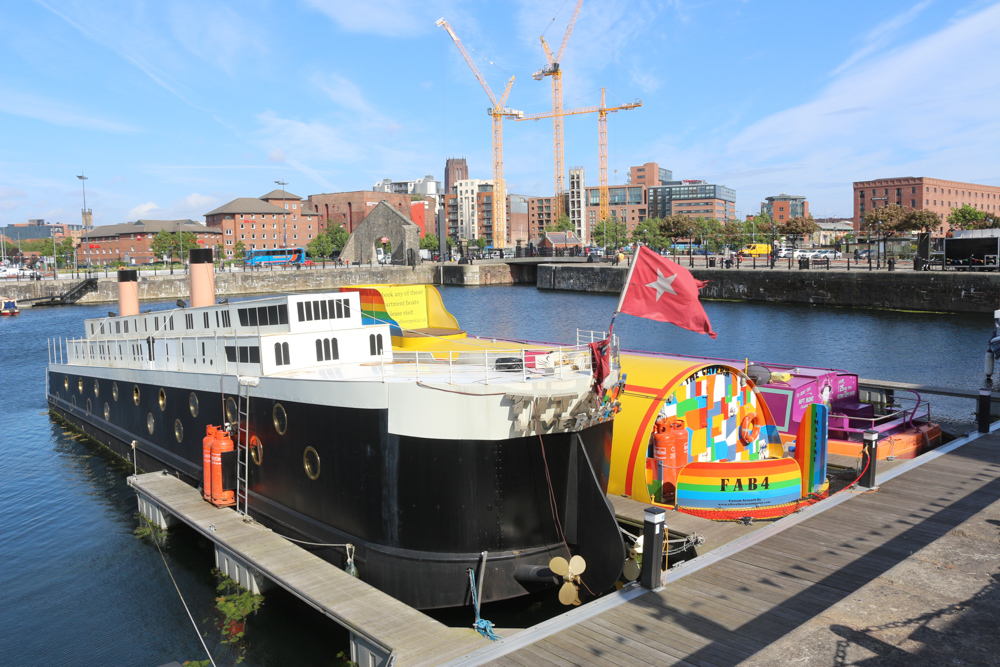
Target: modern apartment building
[[576, 196], [785, 207], [921, 193], [693, 198], [469, 210], [649, 174]]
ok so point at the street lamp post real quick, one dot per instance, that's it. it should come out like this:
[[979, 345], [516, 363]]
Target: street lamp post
[[86, 227], [284, 213]]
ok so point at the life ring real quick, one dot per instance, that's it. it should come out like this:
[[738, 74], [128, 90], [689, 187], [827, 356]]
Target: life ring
[[749, 428]]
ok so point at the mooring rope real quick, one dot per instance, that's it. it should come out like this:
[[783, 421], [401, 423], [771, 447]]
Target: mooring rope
[[482, 626], [176, 588]]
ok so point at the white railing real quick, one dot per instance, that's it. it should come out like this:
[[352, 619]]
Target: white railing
[[174, 353], [492, 365]]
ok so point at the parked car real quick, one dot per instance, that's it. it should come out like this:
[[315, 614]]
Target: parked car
[[827, 254], [784, 252], [801, 253]]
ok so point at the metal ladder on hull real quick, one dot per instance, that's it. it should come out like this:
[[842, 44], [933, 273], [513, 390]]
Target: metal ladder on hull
[[243, 443]]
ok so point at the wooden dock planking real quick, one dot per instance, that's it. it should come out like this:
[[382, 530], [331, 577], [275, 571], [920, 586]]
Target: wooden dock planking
[[724, 612], [416, 638]]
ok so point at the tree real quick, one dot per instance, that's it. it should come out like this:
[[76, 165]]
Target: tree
[[676, 227], [321, 246], [922, 219], [239, 251], [609, 232], [219, 252], [416, 197], [429, 242], [706, 231], [338, 237], [734, 233], [481, 243], [797, 227], [169, 244], [967, 217], [648, 231], [562, 224]]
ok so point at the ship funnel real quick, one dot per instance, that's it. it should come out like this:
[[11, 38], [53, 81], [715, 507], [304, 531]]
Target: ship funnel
[[202, 272], [128, 292]]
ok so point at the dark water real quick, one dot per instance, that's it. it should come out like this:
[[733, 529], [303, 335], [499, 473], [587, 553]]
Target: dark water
[[78, 588]]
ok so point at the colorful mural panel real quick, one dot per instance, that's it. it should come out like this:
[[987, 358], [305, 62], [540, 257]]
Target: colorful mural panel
[[736, 485]]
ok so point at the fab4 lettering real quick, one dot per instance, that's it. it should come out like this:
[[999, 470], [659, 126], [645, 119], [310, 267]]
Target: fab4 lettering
[[737, 485]]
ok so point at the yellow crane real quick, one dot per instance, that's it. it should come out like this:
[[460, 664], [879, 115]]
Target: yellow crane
[[602, 112], [554, 70], [497, 113]]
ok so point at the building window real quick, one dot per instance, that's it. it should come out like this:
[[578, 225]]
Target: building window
[[913, 191]]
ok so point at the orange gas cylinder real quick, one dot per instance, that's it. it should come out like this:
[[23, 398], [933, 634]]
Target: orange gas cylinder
[[223, 443], [206, 462], [670, 449]]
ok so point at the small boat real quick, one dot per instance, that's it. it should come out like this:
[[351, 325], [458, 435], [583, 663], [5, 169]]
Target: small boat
[[8, 306]]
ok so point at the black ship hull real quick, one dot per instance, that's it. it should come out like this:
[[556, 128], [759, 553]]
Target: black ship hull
[[420, 512]]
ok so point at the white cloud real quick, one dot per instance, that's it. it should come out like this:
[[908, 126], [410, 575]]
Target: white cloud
[[342, 91], [142, 211], [276, 155], [882, 34], [390, 18], [926, 109]]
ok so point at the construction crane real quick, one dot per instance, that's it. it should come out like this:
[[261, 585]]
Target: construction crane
[[497, 113], [554, 70], [602, 112]]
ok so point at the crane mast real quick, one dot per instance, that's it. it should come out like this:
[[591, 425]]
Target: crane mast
[[554, 69], [497, 113], [602, 112]]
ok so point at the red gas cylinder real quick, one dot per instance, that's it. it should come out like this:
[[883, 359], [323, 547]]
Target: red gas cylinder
[[223, 443], [206, 462]]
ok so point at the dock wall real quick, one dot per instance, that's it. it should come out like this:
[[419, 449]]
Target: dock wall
[[936, 291], [239, 283]]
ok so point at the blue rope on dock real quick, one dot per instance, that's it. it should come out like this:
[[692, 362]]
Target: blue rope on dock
[[482, 626]]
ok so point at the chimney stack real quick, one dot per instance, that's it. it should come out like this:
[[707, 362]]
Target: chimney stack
[[128, 292], [202, 272]]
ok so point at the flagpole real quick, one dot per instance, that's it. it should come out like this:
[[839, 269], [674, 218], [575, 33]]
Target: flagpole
[[621, 298]]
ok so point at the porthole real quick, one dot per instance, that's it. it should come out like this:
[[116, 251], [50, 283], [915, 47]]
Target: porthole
[[97, 388], [107, 412], [231, 413], [193, 404], [114, 391], [280, 419], [149, 422], [178, 430], [89, 406], [310, 461], [162, 398], [256, 450], [135, 394], [72, 399], [66, 383], [79, 385]]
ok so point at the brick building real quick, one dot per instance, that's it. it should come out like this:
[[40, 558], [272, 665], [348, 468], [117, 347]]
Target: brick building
[[130, 242], [278, 219], [693, 198], [455, 169], [540, 212], [518, 227], [348, 209], [921, 193], [785, 207]]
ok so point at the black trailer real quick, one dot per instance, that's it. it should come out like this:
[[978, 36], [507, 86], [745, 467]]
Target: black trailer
[[975, 253]]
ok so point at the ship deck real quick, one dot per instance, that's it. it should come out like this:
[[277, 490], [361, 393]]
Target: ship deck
[[906, 574]]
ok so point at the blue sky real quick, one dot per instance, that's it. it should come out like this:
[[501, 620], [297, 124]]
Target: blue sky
[[172, 108]]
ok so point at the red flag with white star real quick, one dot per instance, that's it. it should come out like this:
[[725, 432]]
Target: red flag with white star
[[658, 289]]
